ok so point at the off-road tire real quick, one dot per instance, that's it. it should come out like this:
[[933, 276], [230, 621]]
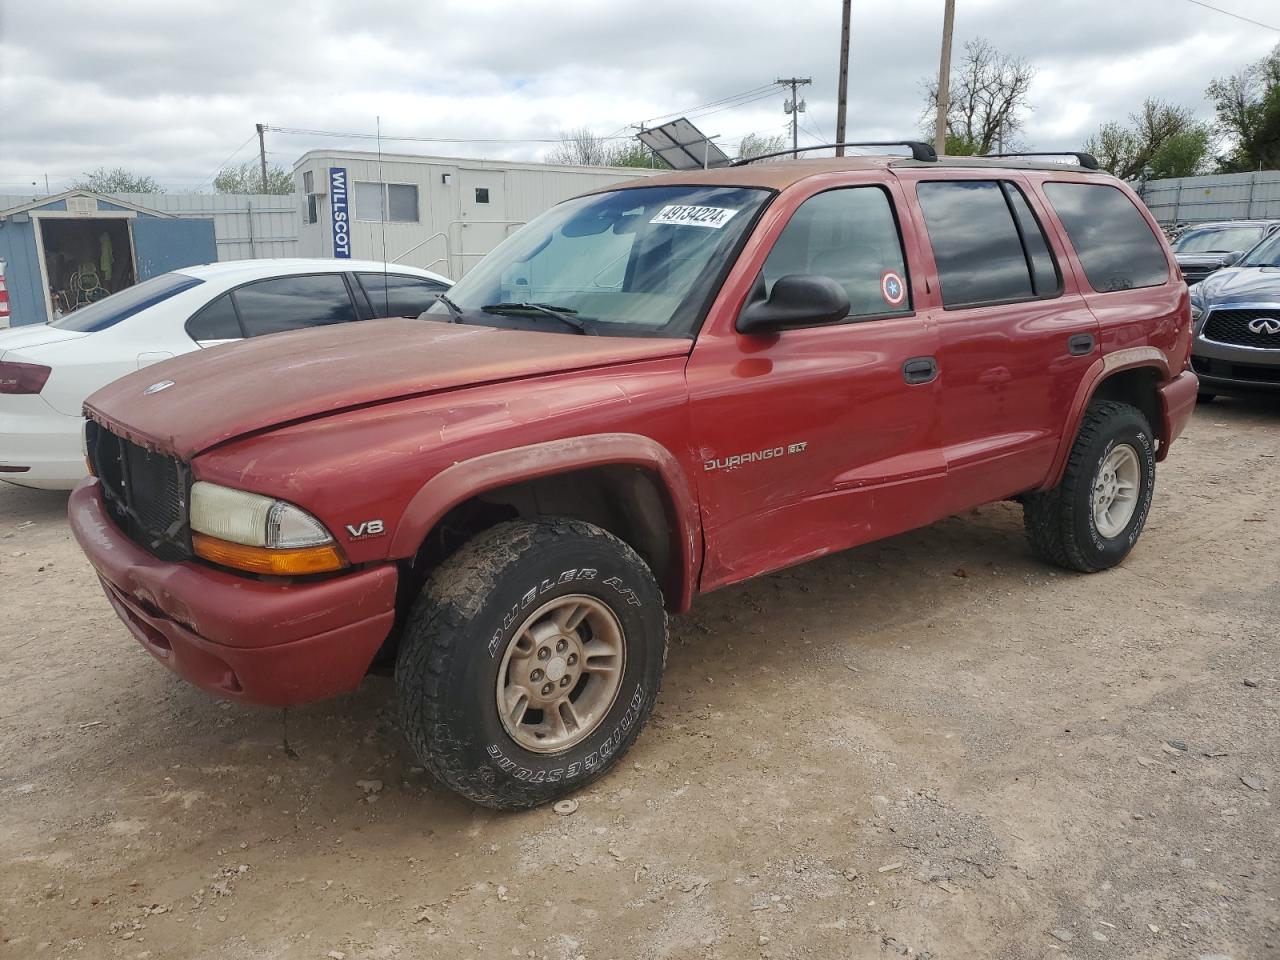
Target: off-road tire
[[1059, 522], [460, 627]]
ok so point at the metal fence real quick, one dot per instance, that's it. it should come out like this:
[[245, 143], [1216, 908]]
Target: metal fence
[[1226, 196], [246, 226]]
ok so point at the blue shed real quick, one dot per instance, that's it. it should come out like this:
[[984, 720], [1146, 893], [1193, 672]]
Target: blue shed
[[73, 248]]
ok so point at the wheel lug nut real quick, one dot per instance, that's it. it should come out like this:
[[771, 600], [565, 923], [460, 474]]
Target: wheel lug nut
[[564, 681], [562, 646], [544, 653], [572, 659], [535, 676], [547, 688]]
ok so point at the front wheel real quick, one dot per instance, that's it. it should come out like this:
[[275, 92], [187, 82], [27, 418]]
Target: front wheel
[[1092, 519], [531, 661]]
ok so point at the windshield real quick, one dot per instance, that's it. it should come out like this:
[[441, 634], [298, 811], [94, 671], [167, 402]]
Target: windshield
[[1217, 239], [119, 306], [638, 262], [1265, 254]]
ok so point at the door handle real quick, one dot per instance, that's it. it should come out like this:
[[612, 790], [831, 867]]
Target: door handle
[[1080, 344], [920, 370]]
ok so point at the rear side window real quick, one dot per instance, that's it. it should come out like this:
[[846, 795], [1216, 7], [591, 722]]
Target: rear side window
[[291, 303], [986, 243], [395, 295], [120, 306], [1113, 240], [851, 236], [217, 321]]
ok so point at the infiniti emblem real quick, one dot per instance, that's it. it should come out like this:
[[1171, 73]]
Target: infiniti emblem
[[1265, 325], [157, 387]]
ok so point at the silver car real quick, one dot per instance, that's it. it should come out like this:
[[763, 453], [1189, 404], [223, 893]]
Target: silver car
[[1236, 320]]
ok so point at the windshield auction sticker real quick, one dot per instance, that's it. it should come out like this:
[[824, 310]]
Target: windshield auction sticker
[[686, 215]]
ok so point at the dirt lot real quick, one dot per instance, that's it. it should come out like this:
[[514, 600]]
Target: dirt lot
[[933, 746]]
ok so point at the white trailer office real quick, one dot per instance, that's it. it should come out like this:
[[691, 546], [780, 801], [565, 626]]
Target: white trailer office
[[441, 213]]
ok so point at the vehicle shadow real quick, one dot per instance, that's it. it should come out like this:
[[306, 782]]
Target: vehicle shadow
[[20, 504]]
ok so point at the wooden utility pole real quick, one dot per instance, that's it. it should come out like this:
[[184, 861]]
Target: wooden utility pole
[[262, 153], [842, 95], [795, 106], [944, 80]]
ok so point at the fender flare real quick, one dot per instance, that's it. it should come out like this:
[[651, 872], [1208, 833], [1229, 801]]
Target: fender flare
[[1127, 359], [467, 478]]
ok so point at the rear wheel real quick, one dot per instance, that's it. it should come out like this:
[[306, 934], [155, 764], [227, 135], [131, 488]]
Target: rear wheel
[[531, 661], [1092, 519]]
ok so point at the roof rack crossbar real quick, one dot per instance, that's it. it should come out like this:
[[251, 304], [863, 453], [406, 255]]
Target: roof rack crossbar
[[1086, 160], [919, 150]]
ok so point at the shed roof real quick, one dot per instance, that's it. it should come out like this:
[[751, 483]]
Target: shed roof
[[76, 192]]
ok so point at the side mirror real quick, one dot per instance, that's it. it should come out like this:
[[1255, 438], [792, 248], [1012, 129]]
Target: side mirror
[[1230, 258], [797, 300]]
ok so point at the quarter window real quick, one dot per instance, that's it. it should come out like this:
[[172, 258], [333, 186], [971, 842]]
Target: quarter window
[[395, 295], [291, 303], [217, 321], [978, 229], [1113, 240], [851, 236]]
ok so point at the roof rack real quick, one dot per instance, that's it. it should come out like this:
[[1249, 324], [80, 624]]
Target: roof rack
[[919, 151], [1086, 160]]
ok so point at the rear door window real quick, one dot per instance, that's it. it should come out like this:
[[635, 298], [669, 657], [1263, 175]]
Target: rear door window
[[987, 245], [292, 303], [217, 321], [398, 295], [851, 236], [1114, 242]]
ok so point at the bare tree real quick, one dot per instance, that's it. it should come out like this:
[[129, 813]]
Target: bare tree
[[757, 145], [118, 180], [988, 99], [1162, 136], [583, 147]]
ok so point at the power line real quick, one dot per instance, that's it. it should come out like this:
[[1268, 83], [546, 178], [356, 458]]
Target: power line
[[223, 164], [1228, 13]]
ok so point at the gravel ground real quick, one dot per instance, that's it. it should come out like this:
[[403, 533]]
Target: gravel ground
[[932, 746]]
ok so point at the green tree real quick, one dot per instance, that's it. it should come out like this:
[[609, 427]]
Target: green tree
[[247, 178], [1248, 109], [118, 180], [1162, 136]]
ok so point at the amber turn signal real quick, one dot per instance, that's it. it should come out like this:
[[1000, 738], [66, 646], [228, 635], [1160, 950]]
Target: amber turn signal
[[272, 562]]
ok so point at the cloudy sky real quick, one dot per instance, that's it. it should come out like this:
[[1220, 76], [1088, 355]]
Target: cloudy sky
[[173, 89]]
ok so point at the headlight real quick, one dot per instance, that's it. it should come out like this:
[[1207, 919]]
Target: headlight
[[259, 534], [1196, 312]]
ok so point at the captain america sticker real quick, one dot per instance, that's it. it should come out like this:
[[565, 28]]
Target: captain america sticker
[[892, 289]]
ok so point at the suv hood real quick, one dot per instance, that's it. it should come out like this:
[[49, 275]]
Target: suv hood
[[1241, 285], [226, 392]]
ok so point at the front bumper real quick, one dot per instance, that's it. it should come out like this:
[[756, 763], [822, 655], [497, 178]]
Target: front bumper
[[275, 643], [1226, 368]]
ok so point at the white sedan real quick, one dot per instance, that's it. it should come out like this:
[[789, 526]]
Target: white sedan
[[47, 370]]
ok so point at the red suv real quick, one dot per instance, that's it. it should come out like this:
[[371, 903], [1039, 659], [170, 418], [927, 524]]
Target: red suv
[[649, 392]]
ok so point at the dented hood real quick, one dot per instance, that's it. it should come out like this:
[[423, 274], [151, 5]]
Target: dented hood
[[229, 391]]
